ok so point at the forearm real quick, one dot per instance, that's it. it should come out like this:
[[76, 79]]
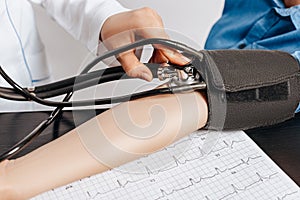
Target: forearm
[[59, 162], [68, 159]]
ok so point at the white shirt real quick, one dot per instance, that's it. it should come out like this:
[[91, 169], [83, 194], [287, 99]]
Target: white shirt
[[22, 53]]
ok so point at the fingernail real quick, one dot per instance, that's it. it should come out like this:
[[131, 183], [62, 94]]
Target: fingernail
[[146, 76]]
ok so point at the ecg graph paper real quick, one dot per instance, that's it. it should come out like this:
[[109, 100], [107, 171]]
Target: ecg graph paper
[[233, 168]]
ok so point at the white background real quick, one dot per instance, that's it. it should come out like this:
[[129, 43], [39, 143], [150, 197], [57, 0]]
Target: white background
[[192, 18]]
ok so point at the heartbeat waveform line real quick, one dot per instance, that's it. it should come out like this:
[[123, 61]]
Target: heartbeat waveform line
[[236, 190], [173, 146], [244, 162], [177, 163], [217, 172], [149, 172], [243, 159], [286, 195], [202, 154], [227, 145], [190, 138]]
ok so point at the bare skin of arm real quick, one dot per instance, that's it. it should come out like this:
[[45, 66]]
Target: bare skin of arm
[[67, 159], [290, 3]]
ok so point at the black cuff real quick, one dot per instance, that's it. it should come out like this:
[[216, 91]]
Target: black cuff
[[249, 88]]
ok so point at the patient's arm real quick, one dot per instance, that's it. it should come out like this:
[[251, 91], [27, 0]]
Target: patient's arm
[[68, 158]]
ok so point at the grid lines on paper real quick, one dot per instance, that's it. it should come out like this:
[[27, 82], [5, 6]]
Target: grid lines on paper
[[235, 168]]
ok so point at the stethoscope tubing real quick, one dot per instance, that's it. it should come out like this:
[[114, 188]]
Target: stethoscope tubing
[[19, 93]]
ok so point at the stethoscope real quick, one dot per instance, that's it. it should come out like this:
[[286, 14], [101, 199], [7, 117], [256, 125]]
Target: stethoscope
[[177, 79]]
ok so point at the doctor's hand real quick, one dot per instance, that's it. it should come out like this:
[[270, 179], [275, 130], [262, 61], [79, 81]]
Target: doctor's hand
[[143, 23]]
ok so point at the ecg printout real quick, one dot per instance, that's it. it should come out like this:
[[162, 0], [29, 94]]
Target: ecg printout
[[204, 165]]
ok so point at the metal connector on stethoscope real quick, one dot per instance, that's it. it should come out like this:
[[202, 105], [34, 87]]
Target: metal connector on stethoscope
[[181, 78]]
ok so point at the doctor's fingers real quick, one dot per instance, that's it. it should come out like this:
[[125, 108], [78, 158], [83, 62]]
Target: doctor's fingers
[[131, 63], [133, 67], [129, 59], [161, 52], [165, 55], [158, 57]]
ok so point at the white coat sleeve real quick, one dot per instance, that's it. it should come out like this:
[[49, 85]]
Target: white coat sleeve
[[83, 19]]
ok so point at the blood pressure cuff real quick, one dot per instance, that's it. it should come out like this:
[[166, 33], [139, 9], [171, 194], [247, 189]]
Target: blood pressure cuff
[[249, 88]]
